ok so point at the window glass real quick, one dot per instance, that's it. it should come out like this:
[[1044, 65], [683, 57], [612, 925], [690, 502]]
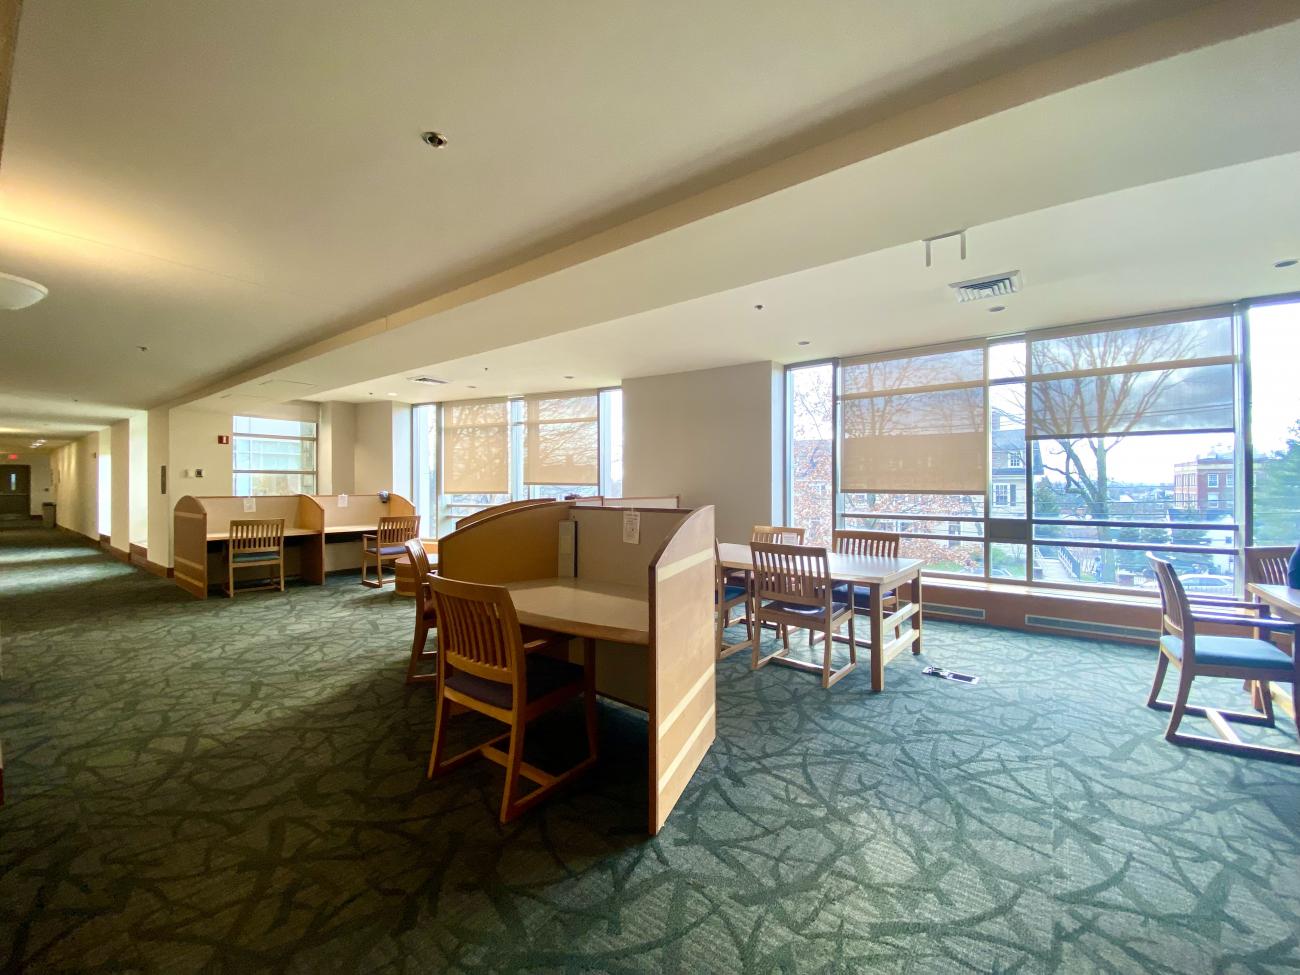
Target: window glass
[[273, 456], [811, 437], [1275, 423]]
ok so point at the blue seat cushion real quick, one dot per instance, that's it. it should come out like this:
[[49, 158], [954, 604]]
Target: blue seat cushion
[[386, 550], [861, 595], [256, 557], [798, 610], [1230, 651], [733, 592], [545, 674]]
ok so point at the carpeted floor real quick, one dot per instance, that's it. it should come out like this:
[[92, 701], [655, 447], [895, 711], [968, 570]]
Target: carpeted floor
[[238, 787]]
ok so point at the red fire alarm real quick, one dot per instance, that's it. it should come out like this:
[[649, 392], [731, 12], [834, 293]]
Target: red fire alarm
[[13, 456], [223, 438]]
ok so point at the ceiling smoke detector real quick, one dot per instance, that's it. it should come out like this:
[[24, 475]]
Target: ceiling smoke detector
[[427, 380], [978, 289]]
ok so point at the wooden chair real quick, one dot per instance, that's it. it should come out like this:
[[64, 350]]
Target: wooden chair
[[485, 665], [792, 587], [386, 544], [250, 543], [426, 613], [777, 535], [1242, 657], [846, 541], [1267, 565], [727, 597]]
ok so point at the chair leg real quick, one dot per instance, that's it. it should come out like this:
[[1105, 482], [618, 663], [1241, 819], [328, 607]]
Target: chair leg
[[439, 737], [282, 574], [1266, 700], [1162, 665], [1180, 704], [230, 579], [417, 653], [516, 756], [589, 693], [826, 657]]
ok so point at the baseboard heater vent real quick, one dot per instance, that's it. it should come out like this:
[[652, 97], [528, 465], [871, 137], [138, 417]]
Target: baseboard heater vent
[[957, 612], [1084, 628]]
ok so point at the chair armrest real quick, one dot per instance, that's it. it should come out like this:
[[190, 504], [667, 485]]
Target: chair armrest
[[1257, 622], [1227, 603]]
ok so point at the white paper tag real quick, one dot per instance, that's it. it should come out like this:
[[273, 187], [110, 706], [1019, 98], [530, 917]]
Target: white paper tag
[[343, 500], [250, 505], [632, 527]]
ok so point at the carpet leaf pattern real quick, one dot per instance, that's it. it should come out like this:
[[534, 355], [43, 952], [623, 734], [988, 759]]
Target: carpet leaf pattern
[[238, 786]]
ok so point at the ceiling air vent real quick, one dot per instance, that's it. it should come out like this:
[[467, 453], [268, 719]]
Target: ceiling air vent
[[427, 380], [980, 288]]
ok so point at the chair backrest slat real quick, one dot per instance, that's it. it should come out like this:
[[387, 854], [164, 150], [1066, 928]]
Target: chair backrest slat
[[253, 536], [397, 530], [865, 543], [791, 573], [420, 570], [1266, 565], [478, 630], [777, 535], [1175, 609]]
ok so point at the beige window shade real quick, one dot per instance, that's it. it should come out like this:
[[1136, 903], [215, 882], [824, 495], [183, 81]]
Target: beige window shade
[[562, 438], [1144, 377], [914, 423], [476, 447]]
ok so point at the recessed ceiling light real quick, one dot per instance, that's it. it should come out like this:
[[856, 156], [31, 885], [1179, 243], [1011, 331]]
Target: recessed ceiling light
[[390, 394], [1289, 262], [805, 342], [435, 140], [997, 308]]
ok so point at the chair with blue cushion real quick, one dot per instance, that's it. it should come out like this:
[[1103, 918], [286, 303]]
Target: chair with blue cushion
[[386, 544], [1202, 655], [729, 595], [255, 543], [792, 588], [486, 664]]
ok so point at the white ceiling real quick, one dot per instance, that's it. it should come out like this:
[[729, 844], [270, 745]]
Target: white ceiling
[[1180, 243], [1137, 128], [221, 182]]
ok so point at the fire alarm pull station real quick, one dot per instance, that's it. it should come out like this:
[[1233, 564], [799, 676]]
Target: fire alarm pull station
[[223, 438]]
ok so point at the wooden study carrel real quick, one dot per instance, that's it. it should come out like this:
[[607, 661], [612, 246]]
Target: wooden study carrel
[[647, 601]]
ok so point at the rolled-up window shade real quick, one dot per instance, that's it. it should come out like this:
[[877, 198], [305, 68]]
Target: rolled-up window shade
[[476, 447], [562, 438], [914, 423], [1138, 377]]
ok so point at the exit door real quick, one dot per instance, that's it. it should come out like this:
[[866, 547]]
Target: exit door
[[15, 492]]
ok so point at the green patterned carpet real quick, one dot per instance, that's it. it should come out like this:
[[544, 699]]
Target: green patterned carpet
[[238, 787]]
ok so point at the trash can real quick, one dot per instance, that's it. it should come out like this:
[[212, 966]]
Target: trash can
[[48, 514]]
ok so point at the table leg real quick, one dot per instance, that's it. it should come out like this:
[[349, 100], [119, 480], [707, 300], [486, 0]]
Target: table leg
[[877, 614], [916, 620]]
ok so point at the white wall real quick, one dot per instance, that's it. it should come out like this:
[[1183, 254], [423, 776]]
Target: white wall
[[193, 448], [42, 480], [714, 436], [138, 489], [75, 470], [335, 449], [159, 507], [373, 452], [120, 530]]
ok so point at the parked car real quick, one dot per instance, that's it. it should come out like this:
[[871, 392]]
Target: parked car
[[1204, 584]]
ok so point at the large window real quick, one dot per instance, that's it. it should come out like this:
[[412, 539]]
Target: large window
[[274, 456], [1275, 422], [540, 446], [1064, 455]]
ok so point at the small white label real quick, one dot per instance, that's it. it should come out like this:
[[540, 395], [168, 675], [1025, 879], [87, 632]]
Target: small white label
[[343, 500], [250, 505], [632, 527]]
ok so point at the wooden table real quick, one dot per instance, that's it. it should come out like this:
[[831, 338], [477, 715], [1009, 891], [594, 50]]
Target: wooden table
[[583, 608], [878, 576], [1285, 602]]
